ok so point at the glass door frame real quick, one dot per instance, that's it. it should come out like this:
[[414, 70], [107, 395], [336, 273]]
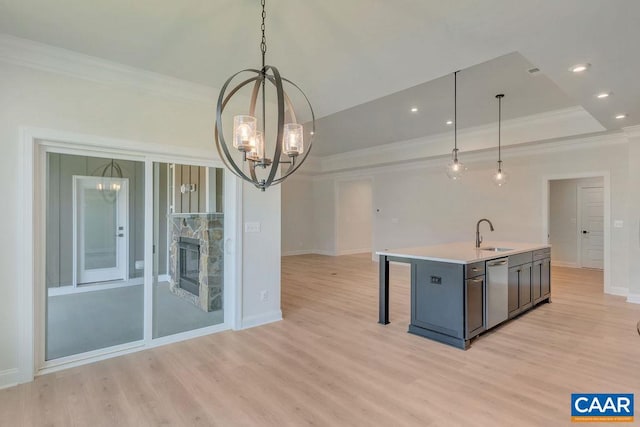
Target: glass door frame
[[36, 144]]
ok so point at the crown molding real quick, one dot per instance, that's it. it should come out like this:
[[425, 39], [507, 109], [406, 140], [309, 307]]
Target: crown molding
[[564, 123], [579, 143], [40, 56], [632, 131]]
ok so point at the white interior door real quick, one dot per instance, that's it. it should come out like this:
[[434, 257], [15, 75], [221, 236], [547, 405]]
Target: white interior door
[[101, 229], [592, 227]]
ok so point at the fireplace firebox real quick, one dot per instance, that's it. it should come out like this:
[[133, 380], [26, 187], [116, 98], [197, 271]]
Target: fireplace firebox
[[189, 265]]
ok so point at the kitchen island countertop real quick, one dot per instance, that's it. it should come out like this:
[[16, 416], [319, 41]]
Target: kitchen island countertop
[[462, 252]]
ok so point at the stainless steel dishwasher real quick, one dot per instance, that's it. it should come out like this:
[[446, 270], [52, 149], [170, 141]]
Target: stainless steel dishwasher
[[497, 306]]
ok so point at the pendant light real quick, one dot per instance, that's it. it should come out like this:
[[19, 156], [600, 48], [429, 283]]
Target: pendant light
[[499, 178], [455, 169], [250, 138]]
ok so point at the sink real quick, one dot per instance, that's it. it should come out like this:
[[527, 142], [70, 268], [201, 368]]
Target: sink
[[496, 249]]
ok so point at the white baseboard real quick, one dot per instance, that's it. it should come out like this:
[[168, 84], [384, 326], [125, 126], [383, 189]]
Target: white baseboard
[[300, 252], [323, 252], [633, 298], [617, 290], [8, 378], [163, 278], [564, 264], [261, 319], [354, 251]]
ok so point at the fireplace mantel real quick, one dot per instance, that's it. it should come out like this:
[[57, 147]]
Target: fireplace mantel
[[208, 230]]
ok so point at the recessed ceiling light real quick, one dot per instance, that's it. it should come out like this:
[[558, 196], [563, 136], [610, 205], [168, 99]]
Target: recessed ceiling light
[[414, 110], [578, 68], [621, 116], [449, 122], [603, 95]]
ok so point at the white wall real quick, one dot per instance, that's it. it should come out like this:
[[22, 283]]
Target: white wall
[[49, 100], [354, 216], [417, 205], [297, 215], [633, 219], [324, 217], [563, 218]]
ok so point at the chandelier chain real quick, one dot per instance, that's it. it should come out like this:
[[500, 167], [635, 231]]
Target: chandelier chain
[[263, 43]]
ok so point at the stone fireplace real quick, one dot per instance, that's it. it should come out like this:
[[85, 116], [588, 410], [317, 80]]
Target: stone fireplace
[[196, 262]]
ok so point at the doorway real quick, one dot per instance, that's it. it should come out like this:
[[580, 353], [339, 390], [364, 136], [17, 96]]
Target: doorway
[[100, 223], [576, 212], [577, 206], [101, 274], [354, 218]]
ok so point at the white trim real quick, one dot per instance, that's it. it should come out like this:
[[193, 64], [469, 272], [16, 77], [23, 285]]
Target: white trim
[[323, 252], [632, 131], [233, 245], [354, 251], [163, 277], [545, 205], [299, 252], [26, 357], [633, 298], [69, 290], [261, 319], [564, 264], [529, 131], [38, 141], [8, 378], [39, 56], [618, 290], [148, 294], [579, 143]]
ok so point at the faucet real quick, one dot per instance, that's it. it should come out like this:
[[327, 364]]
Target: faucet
[[478, 237]]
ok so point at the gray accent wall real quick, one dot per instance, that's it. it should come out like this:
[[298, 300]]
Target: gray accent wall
[[59, 216]]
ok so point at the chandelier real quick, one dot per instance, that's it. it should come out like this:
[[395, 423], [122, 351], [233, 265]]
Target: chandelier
[[110, 180], [247, 156]]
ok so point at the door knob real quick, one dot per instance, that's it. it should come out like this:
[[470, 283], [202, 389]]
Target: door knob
[[585, 232]]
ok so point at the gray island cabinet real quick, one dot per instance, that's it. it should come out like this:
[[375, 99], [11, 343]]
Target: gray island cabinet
[[458, 291]]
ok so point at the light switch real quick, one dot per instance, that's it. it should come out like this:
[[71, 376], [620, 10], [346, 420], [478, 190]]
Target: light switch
[[618, 223], [251, 227]]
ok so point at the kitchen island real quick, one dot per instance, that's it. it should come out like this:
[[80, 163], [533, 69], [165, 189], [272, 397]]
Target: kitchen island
[[459, 291]]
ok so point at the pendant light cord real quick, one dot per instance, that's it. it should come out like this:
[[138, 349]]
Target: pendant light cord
[[500, 96], [455, 116]]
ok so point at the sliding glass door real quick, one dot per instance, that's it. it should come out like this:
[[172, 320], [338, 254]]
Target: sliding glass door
[[94, 253], [188, 286], [97, 298]]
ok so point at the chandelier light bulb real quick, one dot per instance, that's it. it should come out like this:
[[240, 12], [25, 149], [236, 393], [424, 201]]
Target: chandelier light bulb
[[244, 131], [257, 147], [293, 139]]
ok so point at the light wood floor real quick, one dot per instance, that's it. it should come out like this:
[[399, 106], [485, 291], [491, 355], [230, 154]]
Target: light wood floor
[[329, 363]]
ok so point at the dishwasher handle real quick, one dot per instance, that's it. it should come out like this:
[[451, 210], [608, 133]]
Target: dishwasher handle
[[497, 263]]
